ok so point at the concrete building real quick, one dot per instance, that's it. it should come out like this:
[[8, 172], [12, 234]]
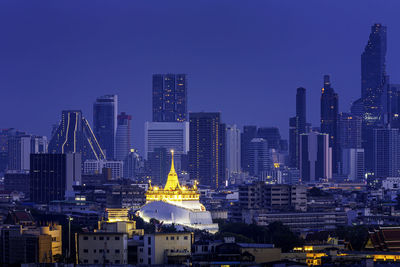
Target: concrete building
[[96, 166], [102, 248], [166, 248], [233, 151], [315, 157], [273, 197], [352, 162]]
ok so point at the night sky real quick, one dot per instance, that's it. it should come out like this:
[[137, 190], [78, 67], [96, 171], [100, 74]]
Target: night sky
[[243, 58]]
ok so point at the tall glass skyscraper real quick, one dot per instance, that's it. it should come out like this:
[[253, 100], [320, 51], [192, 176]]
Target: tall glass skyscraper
[[123, 137], [373, 75], [105, 111], [297, 126], [74, 135], [169, 98], [207, 149], [329, 116]]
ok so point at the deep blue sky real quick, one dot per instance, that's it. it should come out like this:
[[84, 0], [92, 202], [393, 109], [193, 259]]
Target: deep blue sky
[[243, 58]]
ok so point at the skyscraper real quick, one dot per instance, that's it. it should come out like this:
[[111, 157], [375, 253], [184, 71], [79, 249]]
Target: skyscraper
[[123, 136], [232, 150], [260, 158], [207, 148], [349, 131], [249, 132], [297, 126], [373, 75], [53, 175], [169, 98], [315, 157], [271, 135], [74, 135], [168, 135], [105, 111], [329, 115], [386, 144]]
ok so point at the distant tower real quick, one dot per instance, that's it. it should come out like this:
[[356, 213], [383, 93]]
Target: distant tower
[[386, 147], [169, 98], [75, 135], [260, 158], [249, 132], [232, 150], [207, 148], [105, 111], [373, 75], [123, 137], [297, 126], [329, 115], [315, 157]]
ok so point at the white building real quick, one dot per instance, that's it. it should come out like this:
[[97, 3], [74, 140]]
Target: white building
[[168, 135], [96, 166], [103, 248], [353, 163], [232, 150], [164, 248]]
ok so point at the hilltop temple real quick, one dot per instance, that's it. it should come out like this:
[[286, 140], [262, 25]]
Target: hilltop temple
[[176, 204]]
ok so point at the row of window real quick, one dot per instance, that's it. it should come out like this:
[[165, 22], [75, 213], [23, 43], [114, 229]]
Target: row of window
[[177, 238], [101, 238], [117, 251], [105, 261]]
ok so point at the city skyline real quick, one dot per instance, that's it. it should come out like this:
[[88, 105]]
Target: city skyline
[[133, 84]]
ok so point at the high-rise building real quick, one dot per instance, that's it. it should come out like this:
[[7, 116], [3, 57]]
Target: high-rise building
[[168, 135], [386, 144], [207, 148], [169, 98], [353, 163], [249, 132], [74, 135], [259, 157], [271, 135], [123, 137], [297, 126], [315, 157], [97, 166], [232, 150], [52, 176], [159, 161], [19, 150], [329, 116], [105, 111], [349, 131], [373, 75]]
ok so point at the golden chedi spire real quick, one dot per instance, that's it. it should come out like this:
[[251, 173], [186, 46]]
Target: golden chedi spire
[[172, 180]]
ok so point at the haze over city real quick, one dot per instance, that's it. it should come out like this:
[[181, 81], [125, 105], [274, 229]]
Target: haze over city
[[244, 59]]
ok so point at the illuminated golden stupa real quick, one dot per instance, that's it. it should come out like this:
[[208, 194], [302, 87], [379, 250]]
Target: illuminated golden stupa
[[172, 190], [176, 204]]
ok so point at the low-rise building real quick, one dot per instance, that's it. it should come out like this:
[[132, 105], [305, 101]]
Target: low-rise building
[[166, 248]]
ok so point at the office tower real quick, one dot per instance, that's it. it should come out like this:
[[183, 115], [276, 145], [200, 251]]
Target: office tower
[[357, 108], [52, 176], [232, 150], [386, 147], [39, 144], [329, 115], [168, 135], [19, 150], [394, 105], [207, 149], [315, 157], [97, 166], [301, 112], [373, 75], [349, 131], [169, 98], [353, 163], [17, 181], [259, 157], [105, 111], [74, 135], [271, 135], [133, 165], [159, 162], [297, 126], [249, 132], [123, 137]]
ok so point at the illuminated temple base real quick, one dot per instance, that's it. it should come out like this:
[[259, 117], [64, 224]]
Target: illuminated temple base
[[170, 213]]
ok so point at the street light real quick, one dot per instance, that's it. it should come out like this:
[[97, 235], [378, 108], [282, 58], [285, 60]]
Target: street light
[[69, 235]]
